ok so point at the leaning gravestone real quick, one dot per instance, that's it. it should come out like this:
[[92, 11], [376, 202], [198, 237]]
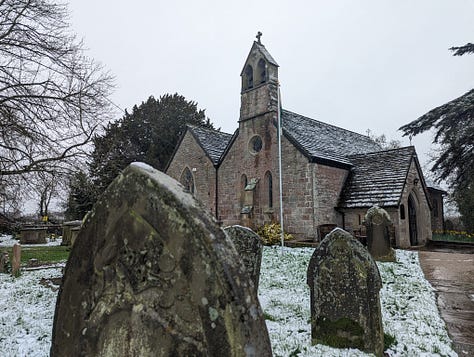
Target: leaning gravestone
[[378, 223], [152, 274], [249, 246], [345, 306]]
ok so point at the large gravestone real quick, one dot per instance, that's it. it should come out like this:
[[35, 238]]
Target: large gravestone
[[33, 235], [345, 306], [249, 246], [378, 223], [152, 274]]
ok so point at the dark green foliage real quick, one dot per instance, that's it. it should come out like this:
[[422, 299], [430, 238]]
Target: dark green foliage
[[81, 196], [388, 341], [461, 50], [464, 197], [149, 134], [453, 126]]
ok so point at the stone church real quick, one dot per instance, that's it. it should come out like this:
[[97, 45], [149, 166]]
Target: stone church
[[330, 176]]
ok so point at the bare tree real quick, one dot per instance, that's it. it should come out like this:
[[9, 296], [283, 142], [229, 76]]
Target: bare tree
[[52, 97]]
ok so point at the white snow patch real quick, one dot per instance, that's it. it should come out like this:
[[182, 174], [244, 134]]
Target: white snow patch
[[408, 307]]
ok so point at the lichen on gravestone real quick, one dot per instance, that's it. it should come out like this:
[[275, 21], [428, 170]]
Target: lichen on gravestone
[[152, 274], [249, 247], [344, 284]]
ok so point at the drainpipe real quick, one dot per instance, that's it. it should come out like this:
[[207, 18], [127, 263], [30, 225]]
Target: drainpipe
[[217, 195]]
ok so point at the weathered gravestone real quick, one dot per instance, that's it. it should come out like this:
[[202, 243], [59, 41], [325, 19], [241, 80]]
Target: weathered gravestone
[[33, 235], [345, 305], [68, 231], [378, 224], [249, 246], [152, 274]]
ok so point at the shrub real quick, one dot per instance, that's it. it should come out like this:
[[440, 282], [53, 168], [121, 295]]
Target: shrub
[[271, 234]]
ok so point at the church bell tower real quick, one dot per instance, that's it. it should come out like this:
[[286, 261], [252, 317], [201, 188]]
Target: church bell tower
[[259, 94]]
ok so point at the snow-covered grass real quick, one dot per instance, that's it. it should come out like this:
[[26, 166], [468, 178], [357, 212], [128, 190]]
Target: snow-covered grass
[[408, 306], [8, 241]]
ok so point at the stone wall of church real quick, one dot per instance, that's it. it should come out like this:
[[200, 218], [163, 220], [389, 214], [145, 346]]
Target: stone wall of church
[[242, 164], [413, 188], [310, 191], [298, 208], [328, 184], [191, 155]]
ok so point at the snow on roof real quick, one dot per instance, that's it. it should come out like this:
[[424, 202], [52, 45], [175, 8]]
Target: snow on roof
[[377, 178], [324, 141], [213, 142]]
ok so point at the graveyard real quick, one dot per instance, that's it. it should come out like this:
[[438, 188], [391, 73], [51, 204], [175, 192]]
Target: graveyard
[[140, 290], [407, 300]]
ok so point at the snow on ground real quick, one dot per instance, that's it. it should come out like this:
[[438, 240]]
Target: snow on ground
[[408, 306], [26, 313], [8, 241]]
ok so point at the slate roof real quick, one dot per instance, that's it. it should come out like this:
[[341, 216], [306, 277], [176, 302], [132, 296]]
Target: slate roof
[[213, 142], [324, 142], [377, 178], [265, 53]]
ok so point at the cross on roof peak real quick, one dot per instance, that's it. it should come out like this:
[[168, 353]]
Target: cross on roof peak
[[259, 34]]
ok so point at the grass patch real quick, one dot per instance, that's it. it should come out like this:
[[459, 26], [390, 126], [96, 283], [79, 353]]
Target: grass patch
[[388, 341], [48, 254], [453, 236]]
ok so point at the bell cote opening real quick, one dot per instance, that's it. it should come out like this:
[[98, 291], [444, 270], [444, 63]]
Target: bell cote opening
[[247, 78]]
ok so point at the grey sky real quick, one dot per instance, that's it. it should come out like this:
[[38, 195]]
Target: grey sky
[[356, 64]]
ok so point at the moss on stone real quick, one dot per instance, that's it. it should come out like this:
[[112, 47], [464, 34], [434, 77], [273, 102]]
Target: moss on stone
[[342, 333]]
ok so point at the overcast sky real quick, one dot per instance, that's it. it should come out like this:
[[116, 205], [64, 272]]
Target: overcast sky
[[356, 64]]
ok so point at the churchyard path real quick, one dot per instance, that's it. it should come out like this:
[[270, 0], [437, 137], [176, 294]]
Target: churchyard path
[[451, 273]]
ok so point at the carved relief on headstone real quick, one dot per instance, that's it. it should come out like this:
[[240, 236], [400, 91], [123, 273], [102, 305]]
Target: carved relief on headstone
[[249, 246], [345, 307], [16, 259], [152, 274], [378, 224]]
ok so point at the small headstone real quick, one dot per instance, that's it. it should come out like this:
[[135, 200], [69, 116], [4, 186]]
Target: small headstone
[[4, 262], [152, 274], [378, 224], [16, 259], [249, 245], [68, 228], [345, 307]]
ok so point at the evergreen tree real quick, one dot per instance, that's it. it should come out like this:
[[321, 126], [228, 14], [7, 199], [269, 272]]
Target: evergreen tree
[[453, 125], [148, 134], [81, 196]]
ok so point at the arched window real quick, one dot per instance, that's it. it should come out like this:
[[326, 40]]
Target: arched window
[[402, 211], [248, 77], [187, 180], [269, 187], [261, 71]]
